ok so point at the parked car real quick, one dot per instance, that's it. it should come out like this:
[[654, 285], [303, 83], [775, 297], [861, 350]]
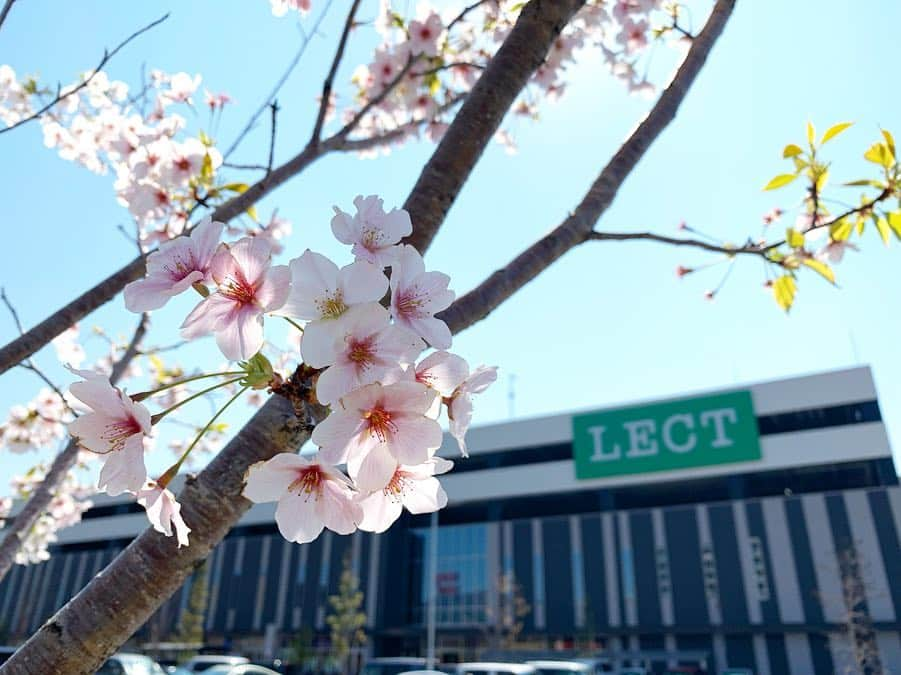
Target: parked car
[[130, 664], [5, 653], [244, 669], [494, 669], [203, 662], [547, 667], [393, 665]]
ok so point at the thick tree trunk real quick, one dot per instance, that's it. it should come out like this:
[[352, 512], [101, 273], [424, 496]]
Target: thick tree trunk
[[97, 621]]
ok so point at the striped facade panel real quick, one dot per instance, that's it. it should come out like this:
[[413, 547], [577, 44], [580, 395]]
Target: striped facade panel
[[685, 567], [595, 578], [780, 546], [558, 580], [644, 566], [731, 584], [825, 560], [805, 567], [522, 568], [762, 563], [887, 534], [246, 579]]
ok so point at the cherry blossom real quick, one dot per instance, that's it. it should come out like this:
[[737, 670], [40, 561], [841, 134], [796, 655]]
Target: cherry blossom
[[175, 267], [115, 428], [416, 295], [412, 487], [67, 348], [163, 512], [424, 35], [281, 7], [366, 349], [459, 407], [311, 496], [247, 286], [372, 232], [393, 415], [834, 250]]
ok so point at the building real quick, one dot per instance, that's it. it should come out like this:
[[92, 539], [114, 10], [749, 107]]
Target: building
[[738, 525]]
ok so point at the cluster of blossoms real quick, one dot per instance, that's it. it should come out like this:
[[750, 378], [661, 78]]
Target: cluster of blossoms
[[160, 173], [282, 7], [36, 425], [429, 62], [384, 400], [69, 502]]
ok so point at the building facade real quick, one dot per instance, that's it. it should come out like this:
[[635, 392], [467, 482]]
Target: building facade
[[755, 527]]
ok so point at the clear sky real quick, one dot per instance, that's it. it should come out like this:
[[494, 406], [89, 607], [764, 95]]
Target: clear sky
[[610, 322]]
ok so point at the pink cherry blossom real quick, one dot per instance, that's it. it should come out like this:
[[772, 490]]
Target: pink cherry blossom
[[115, 428], [834, 251], [163, 512], [459, 408], [281, 7], [412, 487], [372, 232], [365, 350], [393, 415], [424, 35], [321, 294], [67, 348], [247, 286], [416, 295], [310, 495], [175, 267]]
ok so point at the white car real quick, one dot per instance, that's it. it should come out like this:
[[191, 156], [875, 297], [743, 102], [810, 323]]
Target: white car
[[244, 669], [393, 665], [130, 664], [494, 669], [560, 667], [202, 663]]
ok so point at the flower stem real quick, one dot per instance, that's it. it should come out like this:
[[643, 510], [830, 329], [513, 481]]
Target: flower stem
[[294, 323], [163, 480], [147, 394], [160, 415]]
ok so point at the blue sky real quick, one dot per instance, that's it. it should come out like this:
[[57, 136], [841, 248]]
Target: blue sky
[[608, 323]]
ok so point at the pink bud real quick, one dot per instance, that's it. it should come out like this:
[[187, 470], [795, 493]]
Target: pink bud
[[709, 295], [682, 271]]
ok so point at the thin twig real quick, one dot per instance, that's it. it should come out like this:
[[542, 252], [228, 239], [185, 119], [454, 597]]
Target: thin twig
[[274, 108], [6, 7], [462, 15], [377, 99], [315, 137], [107, 55], [251, 123], [245, 167]]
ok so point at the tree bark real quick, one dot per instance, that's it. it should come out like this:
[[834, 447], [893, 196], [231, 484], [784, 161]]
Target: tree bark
[[96, 622], [481, 114], [577, 227]]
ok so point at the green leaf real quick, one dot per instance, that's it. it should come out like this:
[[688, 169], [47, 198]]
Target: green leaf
[[820, 267], [784, 289], [206, 169], [252, 212], [835, 130], [791, 150], [883, 228], [794, 238], [864, 182], [811, 133], [780, 181], [821, 181]]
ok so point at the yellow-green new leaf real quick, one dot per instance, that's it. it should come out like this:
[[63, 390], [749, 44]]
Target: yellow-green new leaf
[[784, 289], [835, 130], [791, 150], [252, 212], [841, 230], [894, 222], [820, 267], [780, 181], [240, 188], [879, 153], [883, 229], [811, 133], [889, 140], [794, 238]]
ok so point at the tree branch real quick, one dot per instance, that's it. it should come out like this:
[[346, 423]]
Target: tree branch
[[279, 84], [40, 498], [106, 58], [578, 226], [8, 5], [503, 79], [315, 137]]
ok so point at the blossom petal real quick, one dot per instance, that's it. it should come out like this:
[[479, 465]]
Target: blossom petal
[[124, 470], [380, 510], [372, 470], [424, 496], [268, 481], [337, 509], [416, 437], [242, 336], [361, 281], [297, 517]]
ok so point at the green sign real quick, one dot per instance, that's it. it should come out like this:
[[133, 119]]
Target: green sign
[[700, 431]]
